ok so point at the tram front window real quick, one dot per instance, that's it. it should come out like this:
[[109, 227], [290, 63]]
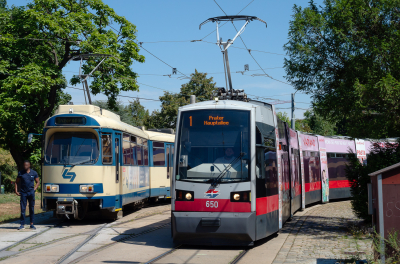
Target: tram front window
[[214, 144], [69, 148]]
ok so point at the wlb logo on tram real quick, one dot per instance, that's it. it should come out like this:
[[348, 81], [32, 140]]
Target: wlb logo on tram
[[69, 175], [212, 193]]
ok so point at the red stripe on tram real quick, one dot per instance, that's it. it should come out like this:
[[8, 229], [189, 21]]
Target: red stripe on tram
[[339, 184], [265, 205], [212, 205]]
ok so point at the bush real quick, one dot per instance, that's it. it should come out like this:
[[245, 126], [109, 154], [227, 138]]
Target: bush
[[8, 170], [381, 156]]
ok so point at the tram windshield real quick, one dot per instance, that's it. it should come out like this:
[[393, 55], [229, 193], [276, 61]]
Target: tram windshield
[[71, 148], [214, 145]]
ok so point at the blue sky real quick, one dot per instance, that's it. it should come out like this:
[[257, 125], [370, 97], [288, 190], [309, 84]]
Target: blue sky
[[178, 20]]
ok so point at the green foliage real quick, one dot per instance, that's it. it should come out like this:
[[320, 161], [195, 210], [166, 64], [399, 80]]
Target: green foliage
[[300, 124], [380, 157], [133, 114], [199, 85], [312, 123], [345, 54], [37, 41], [319, 125], [8, 170], [392, 247]]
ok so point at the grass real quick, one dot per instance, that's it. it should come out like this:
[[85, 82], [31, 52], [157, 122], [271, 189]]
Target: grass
[[10, 208]]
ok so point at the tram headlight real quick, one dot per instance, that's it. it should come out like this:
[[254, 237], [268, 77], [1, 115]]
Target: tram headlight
[[188, 196], [240, 196], [49, 188], [184, 195]]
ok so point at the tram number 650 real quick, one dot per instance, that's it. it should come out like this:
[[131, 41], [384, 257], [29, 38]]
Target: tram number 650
[[212, 204]]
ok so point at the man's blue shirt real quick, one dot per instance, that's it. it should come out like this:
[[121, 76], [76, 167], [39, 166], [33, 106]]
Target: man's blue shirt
[[27, 180]]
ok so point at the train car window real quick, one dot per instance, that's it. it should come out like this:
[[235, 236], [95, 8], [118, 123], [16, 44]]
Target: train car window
[[271, 172], [126, 137], [127, 155], [158, 154], [211, 140], [133, 154], [72, 148], [106, 148], [139, 155], [258, 136], [133, 139]]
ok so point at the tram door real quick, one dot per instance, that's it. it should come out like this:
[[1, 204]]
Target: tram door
[[118, 181], [170, 159]]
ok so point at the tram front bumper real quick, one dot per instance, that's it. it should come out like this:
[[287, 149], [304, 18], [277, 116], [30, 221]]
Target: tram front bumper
[[216, 228]]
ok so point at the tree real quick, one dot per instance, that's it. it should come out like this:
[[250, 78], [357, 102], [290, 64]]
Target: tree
[[37, 42], [381, 156], [300, 124], [133, 114], [319, 125], [199, 85], [345, 54]]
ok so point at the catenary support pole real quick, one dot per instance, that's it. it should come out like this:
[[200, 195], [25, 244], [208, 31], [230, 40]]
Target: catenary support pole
[[293, 104]]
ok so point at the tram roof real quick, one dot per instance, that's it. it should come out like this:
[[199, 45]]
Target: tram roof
[[157, 136], [225, 104], [105, 118]]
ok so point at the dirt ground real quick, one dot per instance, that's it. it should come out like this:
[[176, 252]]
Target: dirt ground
[[10, 208]]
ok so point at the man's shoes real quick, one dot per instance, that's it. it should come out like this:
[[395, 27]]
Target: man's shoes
[[32, 227], [21, 227]]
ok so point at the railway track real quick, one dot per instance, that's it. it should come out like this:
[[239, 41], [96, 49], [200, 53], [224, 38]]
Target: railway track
[[92, 233], [172, 250], [116, 242]]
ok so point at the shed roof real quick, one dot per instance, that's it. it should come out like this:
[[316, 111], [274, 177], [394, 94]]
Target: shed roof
[[397, 165]]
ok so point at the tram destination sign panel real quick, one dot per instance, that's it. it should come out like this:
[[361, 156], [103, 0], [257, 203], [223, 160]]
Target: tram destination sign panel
[[70, 120]]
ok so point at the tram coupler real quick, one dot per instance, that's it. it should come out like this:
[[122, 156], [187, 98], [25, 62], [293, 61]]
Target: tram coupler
[[66, 206]]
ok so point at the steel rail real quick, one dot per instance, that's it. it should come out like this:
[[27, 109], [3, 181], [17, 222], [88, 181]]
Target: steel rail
[[90, 237], [116, 242], [163, 255], [239, 257]]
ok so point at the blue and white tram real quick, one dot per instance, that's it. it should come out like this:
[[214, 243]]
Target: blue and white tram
[[93, 161]]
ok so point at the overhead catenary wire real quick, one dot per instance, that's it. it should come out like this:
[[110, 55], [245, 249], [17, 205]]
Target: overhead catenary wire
[[163, 61]]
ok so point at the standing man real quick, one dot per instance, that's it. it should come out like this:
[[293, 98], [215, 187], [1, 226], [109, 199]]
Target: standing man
[[27, 178]]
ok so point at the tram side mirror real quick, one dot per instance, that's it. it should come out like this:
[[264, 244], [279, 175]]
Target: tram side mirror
[[212, 168], [30, 137]]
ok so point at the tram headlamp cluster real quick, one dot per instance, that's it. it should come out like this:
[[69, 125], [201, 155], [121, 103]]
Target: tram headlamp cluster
[[52, 188], [240, 196], [184, 195], [86, 188]]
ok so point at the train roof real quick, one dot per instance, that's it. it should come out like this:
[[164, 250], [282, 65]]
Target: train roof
[[225, 103], [157, 136], [104, 119]]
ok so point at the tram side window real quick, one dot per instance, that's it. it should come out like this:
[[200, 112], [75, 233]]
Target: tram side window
[[133, 151], [139, 152], [271, 171], [126, 150], [106, 148], [158, 154]]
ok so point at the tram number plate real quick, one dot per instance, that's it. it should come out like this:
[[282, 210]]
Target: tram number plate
[[212, 204]]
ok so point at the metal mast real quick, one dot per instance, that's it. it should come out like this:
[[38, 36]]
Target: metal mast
[[232, 94], [84, 77]]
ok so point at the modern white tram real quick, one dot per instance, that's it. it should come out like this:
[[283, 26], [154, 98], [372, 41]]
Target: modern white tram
[[240, 172], [93, 161]]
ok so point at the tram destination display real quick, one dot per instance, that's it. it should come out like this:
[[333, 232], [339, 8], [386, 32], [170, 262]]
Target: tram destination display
[[75, 120]]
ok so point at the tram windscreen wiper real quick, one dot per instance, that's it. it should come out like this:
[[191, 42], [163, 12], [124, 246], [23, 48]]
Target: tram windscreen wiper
[[227, 168]]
